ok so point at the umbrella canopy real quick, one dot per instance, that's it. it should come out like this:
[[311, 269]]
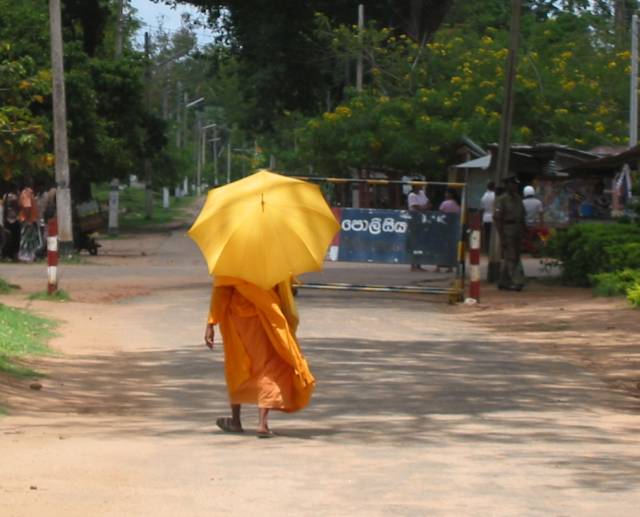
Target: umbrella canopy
[[264, 228]]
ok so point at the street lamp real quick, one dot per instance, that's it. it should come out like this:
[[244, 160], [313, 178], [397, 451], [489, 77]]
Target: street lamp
[[191, 104], [194, 103]]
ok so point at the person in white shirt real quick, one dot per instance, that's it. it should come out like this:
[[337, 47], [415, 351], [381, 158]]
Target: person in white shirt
[[417, 201], [534, 211], [487, 201]]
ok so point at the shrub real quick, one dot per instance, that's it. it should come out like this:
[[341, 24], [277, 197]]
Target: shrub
[[624, 255], [588, 249], [617, 283], [633, 295]]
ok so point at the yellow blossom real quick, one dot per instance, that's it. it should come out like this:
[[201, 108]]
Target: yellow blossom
[[578, 141], [343, 111], [562, 111], [383, 99], [568, 86], [567, 54], [480, 110], [329, 117], [599, 127], [525, 131], [487, 40], [456, 79], [487, 84], [426, 119], [24, 84], [490, 97], [612, 65]]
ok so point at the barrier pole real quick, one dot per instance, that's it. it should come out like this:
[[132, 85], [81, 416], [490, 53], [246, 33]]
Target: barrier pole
[[460, 270], [52, 256], [474, 257]]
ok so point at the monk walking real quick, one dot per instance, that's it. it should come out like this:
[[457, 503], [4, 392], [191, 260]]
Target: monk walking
[[262, 358]]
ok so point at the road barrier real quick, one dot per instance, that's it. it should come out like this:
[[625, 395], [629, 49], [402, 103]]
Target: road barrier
[[398, 237], [474, 257], [52, 255]]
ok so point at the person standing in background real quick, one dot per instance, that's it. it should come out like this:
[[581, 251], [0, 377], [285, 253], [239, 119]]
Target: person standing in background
[[450, 204], [534, 211], [487, 201], [30, 238], [417, 202], [11, 223], [508, 216]]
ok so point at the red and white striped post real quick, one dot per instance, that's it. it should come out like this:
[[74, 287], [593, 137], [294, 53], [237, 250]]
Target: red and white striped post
[[474, 258], [52, 255]]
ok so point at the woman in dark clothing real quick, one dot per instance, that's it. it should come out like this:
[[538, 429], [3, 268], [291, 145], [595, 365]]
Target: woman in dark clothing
[[10, 202]]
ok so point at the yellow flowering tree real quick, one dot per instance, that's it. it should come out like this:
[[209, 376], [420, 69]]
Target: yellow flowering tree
[[420, 98], [23, 127]]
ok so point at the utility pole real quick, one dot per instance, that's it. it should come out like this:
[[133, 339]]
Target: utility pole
[[215, 155], [504, 145], [203, 159], [360, 30], [229, 160], [148, 192], [179, 108], [63, 191], [119, 28], [633, 105], [198, 140]]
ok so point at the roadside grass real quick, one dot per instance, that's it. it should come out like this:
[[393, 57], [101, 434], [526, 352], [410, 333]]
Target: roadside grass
[[132, 207], [22, 334], [73, 259], [59, 296], [5, 287]]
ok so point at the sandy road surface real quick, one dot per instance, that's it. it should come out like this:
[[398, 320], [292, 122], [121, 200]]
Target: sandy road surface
[[417, 411]]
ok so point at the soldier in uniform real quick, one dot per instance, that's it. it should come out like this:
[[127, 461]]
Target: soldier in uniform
[[509, 219]]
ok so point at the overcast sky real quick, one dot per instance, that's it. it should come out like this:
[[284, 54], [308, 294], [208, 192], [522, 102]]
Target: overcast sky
[[150, 13]]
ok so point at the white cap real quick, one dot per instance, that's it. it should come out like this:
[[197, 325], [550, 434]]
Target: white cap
[[529, 191]]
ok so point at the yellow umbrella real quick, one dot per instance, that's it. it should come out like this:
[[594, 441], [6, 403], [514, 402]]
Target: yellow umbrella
[[264, 228]]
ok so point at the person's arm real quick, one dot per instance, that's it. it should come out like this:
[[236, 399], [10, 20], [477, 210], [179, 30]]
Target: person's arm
[[497, 217], [26, 203], [541, 215], [220, 299], [209, 333], [412, 201]]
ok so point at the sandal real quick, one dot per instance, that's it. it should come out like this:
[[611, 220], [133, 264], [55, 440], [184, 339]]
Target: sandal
[[265, 434], [226, 424]]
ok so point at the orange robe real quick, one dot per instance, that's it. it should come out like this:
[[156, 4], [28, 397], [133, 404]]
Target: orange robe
[[263, 361]]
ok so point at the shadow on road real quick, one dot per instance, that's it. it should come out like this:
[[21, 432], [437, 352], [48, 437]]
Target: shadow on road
[[434, 393]]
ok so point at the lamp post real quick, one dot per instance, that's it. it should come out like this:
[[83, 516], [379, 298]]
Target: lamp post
[[191, 104], [203, 141]]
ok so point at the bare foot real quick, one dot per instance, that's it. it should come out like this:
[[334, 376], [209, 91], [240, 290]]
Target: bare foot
[[228, 425]]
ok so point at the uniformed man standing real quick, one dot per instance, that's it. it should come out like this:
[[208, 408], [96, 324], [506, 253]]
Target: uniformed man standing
[[509, 219]]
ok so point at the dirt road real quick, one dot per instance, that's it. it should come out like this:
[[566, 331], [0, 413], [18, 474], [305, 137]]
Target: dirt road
[[419, 410]]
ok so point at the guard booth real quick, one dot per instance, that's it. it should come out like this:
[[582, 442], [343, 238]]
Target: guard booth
[[395, 236]]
